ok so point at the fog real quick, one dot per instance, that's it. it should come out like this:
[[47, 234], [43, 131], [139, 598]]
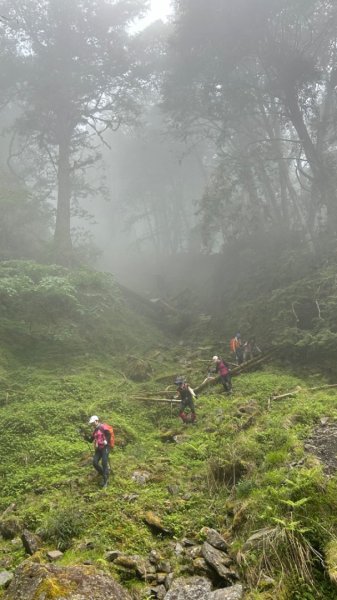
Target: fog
[[176, 145]]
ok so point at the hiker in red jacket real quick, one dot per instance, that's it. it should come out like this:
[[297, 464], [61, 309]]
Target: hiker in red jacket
[[103, 438], [223, 370]]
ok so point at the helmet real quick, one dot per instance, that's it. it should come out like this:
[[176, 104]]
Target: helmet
[[215, 358], [179, 380], [238, 335], [93, 419]]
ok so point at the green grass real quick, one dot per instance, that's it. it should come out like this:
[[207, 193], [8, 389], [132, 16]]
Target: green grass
[[46, 466]]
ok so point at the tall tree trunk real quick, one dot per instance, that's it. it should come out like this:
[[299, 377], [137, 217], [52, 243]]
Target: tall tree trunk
[[323, 183], [62, 237]]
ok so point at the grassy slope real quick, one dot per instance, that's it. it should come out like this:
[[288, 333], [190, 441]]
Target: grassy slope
[[46, 466]]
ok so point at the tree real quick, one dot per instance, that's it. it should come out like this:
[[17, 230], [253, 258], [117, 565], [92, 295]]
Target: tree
[[78, 75], [258, 77]]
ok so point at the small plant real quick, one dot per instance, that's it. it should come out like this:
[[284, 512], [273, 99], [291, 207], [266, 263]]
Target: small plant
[[285, 549], [61, 527]]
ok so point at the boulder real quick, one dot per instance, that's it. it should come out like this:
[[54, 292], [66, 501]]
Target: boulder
[[141, 477], [143, 568], [191, 588], [214, 538], [31, 542], [5, 578], [54, 554], [234, 592], [111, 555], [155, 523], [219, 561], [10, 528], [34, 581]]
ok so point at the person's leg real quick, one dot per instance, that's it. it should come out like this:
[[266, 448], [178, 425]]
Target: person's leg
[[192, 408], [95, 461], [105, 464]]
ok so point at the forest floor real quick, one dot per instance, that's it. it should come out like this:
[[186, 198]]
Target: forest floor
[[247, 464]]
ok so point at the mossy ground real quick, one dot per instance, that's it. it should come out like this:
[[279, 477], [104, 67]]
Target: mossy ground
[[243, 466]]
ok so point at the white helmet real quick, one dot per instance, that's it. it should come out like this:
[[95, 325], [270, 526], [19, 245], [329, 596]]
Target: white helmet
[[215, 358], [93, 419]]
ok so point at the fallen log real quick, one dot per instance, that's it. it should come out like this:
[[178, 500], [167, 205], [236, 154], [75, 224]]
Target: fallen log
[[299, 389], [158, 393], [256, 361], [144, 399]]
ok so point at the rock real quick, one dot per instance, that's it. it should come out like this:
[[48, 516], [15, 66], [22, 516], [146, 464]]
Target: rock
[[143, 568], [234, 592], [141, 477], [201, 567], [219, 561], [111, 555], [214, 538], [34, 581], [155, 523], [154, 557], [194, 552], [54, 554], [187, 542], [169, 580], [189, 588], [5, 578], [161, 577], [164, 566], [159, 591], [173, 489], [10, 528], [324, 420], [31, 542], [178, 549]]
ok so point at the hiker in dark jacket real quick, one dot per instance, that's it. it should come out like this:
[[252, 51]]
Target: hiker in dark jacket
[[223, 370], [186, 395], [102, 436]]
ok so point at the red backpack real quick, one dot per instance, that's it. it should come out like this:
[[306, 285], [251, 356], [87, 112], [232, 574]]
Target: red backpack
[[106, 427]]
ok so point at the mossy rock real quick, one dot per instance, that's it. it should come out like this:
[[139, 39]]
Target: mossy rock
[[10, 528]]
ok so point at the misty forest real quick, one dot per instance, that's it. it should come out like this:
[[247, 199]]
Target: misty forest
[[168, 299]]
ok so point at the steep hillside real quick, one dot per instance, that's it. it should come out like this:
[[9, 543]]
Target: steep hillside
[[242, 468], [257, 468]]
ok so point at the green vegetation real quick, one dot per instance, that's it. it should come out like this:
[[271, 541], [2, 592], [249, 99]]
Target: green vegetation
[[241, 469]]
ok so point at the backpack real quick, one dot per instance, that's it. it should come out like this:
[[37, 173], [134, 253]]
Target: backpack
[[105, 427]]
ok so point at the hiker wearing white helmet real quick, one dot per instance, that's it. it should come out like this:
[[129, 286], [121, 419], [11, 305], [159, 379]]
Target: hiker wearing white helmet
[[222, 369], [103, 438]]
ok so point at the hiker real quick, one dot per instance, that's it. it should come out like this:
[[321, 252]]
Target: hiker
[[103, 438], [222, 369], [187, 396], [237, 349], [251, 349]]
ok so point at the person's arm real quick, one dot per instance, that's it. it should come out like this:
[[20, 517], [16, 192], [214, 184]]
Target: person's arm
[[107, 436]]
